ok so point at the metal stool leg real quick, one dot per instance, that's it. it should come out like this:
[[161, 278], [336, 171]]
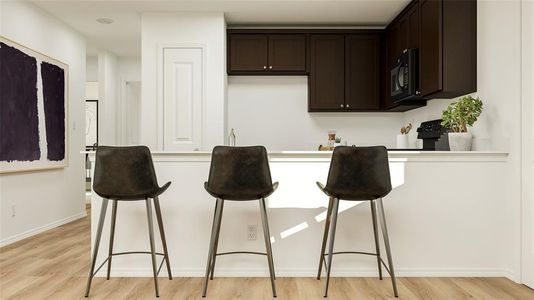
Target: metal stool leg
[[216, 246], [377, 242], [112, 234], [162, 234], [267, 237], [325, 236], [97, 244], [152, 244], [386, 244], [214, 229], [335, 209]]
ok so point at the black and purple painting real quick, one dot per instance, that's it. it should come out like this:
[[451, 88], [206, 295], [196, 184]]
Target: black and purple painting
[[19, 122], [33, 103], [53, 78]]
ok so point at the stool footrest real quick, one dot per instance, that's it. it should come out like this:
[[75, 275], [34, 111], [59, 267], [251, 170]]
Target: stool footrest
[[352, 252], [126, 253], [357, 252], [240, 252]]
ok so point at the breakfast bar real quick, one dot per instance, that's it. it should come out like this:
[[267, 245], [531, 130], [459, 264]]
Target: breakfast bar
[[443, 217]]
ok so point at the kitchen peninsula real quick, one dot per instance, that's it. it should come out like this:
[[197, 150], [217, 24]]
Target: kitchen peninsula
[[443, 217]]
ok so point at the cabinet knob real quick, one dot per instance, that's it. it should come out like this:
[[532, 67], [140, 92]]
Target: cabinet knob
[[417, 92], [341, 105], [347, 106], [264, 67], [270, 67]]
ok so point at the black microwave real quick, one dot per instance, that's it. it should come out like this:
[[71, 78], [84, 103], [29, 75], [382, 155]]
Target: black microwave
[[405, 77]]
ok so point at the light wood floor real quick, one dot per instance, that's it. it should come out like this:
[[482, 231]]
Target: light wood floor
[[54, 265]]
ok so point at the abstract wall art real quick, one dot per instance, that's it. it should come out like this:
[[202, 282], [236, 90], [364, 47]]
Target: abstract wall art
[[91, 124], [33, 109]]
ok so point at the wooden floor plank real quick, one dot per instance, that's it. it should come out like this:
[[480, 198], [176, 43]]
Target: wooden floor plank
[[55, 263]]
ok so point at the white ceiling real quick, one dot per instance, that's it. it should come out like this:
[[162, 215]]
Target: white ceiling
[[123, 37]]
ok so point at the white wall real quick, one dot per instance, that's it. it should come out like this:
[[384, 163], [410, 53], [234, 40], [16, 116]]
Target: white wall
[[49, 198], [272, 111], [91, 69], [499, 127], [108, 98], [115, 72], [172, 29], [129, 68]]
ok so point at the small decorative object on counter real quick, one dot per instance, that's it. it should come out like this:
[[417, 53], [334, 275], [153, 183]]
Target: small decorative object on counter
[[231, 138], [457, 117], [332, 142], [331, 138], [402, 138]]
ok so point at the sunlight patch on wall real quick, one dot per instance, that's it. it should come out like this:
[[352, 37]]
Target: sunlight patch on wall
[[293, 230]]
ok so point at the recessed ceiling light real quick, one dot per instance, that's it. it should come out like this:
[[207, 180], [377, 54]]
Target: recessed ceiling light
[[105, 21]]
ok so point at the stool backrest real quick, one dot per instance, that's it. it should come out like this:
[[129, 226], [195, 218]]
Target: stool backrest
[[124, 172], [359, 173], [240, 173]]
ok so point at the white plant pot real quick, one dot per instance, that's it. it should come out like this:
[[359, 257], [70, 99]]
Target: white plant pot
[[460, 141], [402, 141]]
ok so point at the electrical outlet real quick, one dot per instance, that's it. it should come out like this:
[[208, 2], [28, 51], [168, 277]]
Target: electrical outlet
[[13, 210], [252, 232]]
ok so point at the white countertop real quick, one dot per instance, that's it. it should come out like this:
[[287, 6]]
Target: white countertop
[[431, 156]]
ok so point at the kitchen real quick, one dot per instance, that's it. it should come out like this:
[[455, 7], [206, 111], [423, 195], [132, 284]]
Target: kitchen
[[285, 81]]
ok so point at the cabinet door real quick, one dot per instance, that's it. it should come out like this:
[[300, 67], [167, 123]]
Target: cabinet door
[[248, 52], [412, 23], [327, 73], [362, 85], [287, 53], [431, 79]]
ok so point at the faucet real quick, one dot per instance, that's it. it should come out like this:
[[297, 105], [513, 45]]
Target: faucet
[[231, 138]]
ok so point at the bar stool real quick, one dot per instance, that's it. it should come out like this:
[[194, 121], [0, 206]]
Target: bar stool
[[127, 174], [357, 174], [241, 174]]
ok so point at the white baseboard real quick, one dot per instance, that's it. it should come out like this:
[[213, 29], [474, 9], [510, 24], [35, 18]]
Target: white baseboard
[[34, 231], [311, 272]]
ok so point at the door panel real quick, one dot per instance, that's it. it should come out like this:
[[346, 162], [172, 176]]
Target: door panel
[[287, 52], [527, 159], [431, 47], [248, 52], [182, 98], [363, 72], [327, 73]]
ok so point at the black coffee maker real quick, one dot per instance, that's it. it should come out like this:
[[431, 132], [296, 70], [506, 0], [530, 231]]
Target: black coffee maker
[[435, 137]]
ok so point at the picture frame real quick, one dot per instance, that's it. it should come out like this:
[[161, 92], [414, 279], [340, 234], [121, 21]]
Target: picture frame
[[34, 127]]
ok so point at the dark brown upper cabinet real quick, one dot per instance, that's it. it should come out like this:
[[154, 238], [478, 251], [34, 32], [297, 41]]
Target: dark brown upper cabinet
[[287, 53], [402, 33], [248, 52], [430, 52], [362, 72], [266, 54], [448, 48], [326, 82]]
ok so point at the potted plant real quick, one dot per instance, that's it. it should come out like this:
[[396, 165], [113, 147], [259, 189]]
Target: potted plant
[[457, 117]]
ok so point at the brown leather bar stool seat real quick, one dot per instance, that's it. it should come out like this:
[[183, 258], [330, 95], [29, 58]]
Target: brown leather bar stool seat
[[127, 174], [357, 174], [239, 174]]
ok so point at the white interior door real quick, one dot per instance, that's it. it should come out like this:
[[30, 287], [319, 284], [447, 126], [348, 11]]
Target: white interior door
[[182, 98], [130, 122], [527, 159]]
